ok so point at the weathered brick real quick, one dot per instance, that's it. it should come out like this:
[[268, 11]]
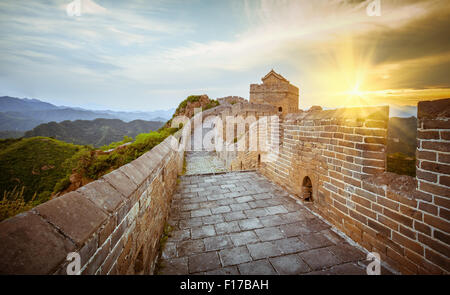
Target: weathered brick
[[423, 228], [379, 228], [426, 155], [398, 217], [427, 134], [440, 260], [436, 146], [437, 222], [387, 203], [435, 167], [435, 245], [444, 213], [435, 124], [434, 189], [443, 237], [411, 212], [443, 202], [444, 180], [430, 208], [388, 222], [421, 174], [444, 158], [408, 243], [370, 147]]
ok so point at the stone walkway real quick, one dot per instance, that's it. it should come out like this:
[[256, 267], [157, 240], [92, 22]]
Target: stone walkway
[[203, 162], [241, 223]]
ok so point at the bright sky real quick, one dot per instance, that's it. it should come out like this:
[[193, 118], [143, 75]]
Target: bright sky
[[147, 55]]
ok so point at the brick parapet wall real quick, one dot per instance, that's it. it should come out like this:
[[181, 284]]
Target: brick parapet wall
[[343, 152], [114, 223]]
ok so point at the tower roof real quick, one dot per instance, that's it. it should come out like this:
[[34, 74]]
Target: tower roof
[[278, 76]]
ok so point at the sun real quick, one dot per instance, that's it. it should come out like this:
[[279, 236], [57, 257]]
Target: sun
[[355, 91]]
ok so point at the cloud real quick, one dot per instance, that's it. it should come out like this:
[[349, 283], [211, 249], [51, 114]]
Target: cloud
[[166, 49]]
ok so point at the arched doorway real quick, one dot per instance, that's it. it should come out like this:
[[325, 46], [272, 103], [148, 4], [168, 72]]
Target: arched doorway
[[280, 109], [259, 160], [307, 189]]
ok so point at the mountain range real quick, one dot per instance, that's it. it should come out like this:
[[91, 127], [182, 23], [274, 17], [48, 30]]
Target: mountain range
[[98, 132], [22, 114]]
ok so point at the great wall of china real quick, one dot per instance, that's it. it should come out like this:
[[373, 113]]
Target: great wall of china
[[328, 163]]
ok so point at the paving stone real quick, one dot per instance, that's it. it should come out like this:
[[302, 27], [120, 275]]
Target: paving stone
[[234, 256], [227, 201], [261, 196], [263, 250], [291, 245], [203, 262], [272, 220], [201, 212], [258, 212], [189, 247], [319, 258], [269, 234], [217, 243], [244, 199], [348, 269], [289, 265], [170, 250], [175, 266], [261, 267], [272, 210], [227, 227], [240, 207], [208, 204], [229, 270], [203, 231], [234, 216], [192, 222], [294, 229], [347, 253], [180, 235], [333, 236], [214, 196], [316, 240], [221, 209], [213, 219], [251, 223], [293, 216], [316, 225], [255, 227], [244, 238]]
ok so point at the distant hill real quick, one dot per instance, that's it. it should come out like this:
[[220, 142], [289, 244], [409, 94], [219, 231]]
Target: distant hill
[[17, 122], [98, 132], [18, 114], [402, 111], [36, 163], [11, 134], [12, 104], [401, 145], [402, 134]]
